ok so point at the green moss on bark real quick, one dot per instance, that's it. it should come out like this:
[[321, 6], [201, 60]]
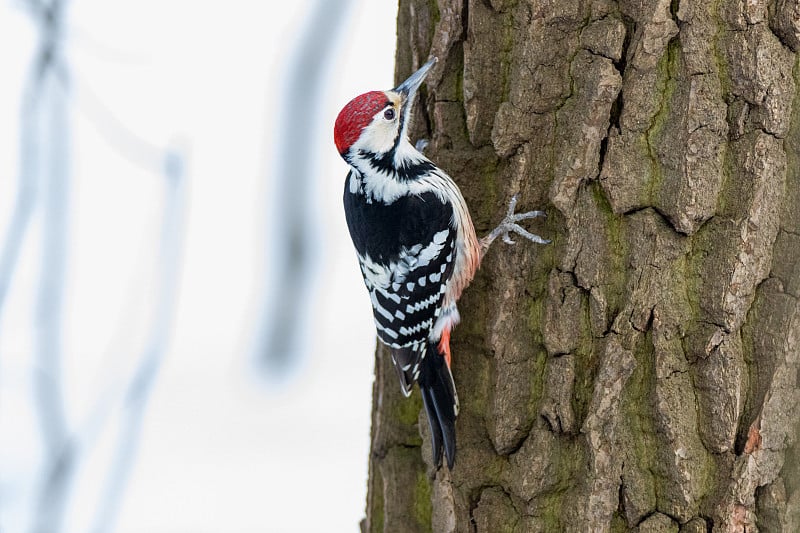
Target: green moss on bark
[[376, 513], [422, 501], [668, 68], [407, 410]]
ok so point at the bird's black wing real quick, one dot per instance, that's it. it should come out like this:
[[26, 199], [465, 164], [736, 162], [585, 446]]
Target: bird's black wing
[[406, 250]]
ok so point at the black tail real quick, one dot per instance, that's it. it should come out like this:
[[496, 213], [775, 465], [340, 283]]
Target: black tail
[[441, 404]]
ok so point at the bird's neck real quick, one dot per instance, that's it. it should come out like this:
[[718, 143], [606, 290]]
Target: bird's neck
[[386, 176]]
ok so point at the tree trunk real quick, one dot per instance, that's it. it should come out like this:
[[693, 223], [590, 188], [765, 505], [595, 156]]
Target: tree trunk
[[640, 372]]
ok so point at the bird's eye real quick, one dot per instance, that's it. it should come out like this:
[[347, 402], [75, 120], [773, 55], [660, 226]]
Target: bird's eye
[[389, 114]]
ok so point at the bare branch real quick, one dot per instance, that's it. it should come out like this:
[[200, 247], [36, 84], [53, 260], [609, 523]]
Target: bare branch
[[138, 389], [284, 300]]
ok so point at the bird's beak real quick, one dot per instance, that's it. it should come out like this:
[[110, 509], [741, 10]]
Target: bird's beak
[[408, 89]]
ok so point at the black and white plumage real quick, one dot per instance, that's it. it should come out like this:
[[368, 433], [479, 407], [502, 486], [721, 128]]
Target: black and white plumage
[[416, 246], [406, 251]]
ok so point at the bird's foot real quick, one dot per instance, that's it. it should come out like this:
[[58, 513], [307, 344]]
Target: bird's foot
[[421, 145], [510, 225]]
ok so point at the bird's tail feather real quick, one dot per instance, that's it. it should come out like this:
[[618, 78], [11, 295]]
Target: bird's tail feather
[[441, 404]]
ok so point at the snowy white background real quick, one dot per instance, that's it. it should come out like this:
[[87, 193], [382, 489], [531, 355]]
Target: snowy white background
[[223, 447]]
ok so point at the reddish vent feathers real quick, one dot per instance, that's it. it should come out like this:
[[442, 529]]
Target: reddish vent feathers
[[355, 116]]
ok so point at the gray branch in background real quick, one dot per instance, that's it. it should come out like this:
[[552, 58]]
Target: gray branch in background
[[45, 139], [26, 190], [44, 183], [30, 140], [54, 198], [138, 389], [289, 295]]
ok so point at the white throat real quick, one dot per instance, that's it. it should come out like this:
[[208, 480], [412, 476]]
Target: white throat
[[380, 176]]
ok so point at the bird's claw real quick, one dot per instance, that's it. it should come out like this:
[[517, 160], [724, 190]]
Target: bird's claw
[[516, 217], [509, 224], [421, 144]]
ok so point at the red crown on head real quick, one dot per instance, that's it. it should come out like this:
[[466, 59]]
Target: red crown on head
[[354, 117]]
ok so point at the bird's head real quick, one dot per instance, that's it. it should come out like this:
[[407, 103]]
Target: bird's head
[[375, 122]]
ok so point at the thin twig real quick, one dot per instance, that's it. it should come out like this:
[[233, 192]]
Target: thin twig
[[138, 389]]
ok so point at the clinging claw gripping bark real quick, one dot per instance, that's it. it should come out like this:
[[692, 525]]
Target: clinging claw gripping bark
[[416, 245]]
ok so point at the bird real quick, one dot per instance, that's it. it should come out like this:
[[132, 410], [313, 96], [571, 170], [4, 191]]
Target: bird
[[416, 246]]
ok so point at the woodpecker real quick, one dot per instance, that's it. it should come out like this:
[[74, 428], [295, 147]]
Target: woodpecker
[[416, 246]]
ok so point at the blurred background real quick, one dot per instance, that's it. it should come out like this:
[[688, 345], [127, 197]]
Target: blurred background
[[185, 341]]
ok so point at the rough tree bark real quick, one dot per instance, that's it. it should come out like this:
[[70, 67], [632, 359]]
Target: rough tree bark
[[641, 372]]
